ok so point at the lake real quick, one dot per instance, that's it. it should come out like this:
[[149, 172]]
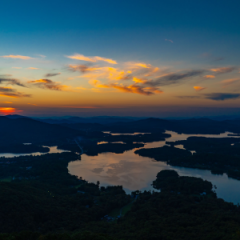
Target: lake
[[134, 172], [53, 149]]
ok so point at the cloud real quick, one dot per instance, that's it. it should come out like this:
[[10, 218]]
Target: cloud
[[222, 96], [11, 81], [9, 92], [230, 81], [17, 67], [198, 88], [133, 88], [134, 65], [138, 73], [145, 78], [91, 59], [48, 84], [17, 57], [110, 73], [209, 76], [223, 69], [83, 68], [174, 78], [52, 74], [137, 89], [32, 68], [169, 40], [138, 80], [152, 71]]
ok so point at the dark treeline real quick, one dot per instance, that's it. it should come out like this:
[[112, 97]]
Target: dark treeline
[[21, 148], [187, 126], [93, 148], [26, 130], [40, 200], [186, 208], [220, 155], [164, 153], [42, 196]]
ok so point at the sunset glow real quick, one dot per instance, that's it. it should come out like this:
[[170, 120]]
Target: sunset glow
[[7, 110], [139, 65]]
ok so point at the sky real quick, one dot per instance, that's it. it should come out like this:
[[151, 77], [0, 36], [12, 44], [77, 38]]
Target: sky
[[120, 58]]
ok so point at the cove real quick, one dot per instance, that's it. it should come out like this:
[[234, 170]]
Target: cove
[[135, 172]]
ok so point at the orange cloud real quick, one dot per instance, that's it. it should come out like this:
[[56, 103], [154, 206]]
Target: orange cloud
[[115, 74], [144, 65], [138, 65], [92, 59], [32, 68], [109, 73], [98, 84], [9, 92], [142, 69], [209, 76], [153, 71], [137, 89], [230, 81], [223, 69], [17, 67], [48, 84], [17, 57], [133, 88], [138, 80], [198, 88]]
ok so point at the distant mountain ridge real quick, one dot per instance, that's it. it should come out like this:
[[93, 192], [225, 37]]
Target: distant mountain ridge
[[130, 125], [18, 129], [100, 120]]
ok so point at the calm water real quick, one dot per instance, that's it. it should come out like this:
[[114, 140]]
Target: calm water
[[52, 150], [134, 172]]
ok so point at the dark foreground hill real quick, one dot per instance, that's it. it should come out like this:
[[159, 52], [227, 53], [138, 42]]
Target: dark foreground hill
[[47, 203], [26, 130]]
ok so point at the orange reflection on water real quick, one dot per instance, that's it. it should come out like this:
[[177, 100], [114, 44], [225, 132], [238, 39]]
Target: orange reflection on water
[[130, 170]]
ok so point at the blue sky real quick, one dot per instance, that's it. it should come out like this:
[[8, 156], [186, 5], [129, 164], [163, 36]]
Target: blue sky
[[174, 36]]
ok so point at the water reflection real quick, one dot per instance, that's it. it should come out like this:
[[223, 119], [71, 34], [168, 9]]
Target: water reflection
[[53, 149], [135, 172], [104, 142]]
